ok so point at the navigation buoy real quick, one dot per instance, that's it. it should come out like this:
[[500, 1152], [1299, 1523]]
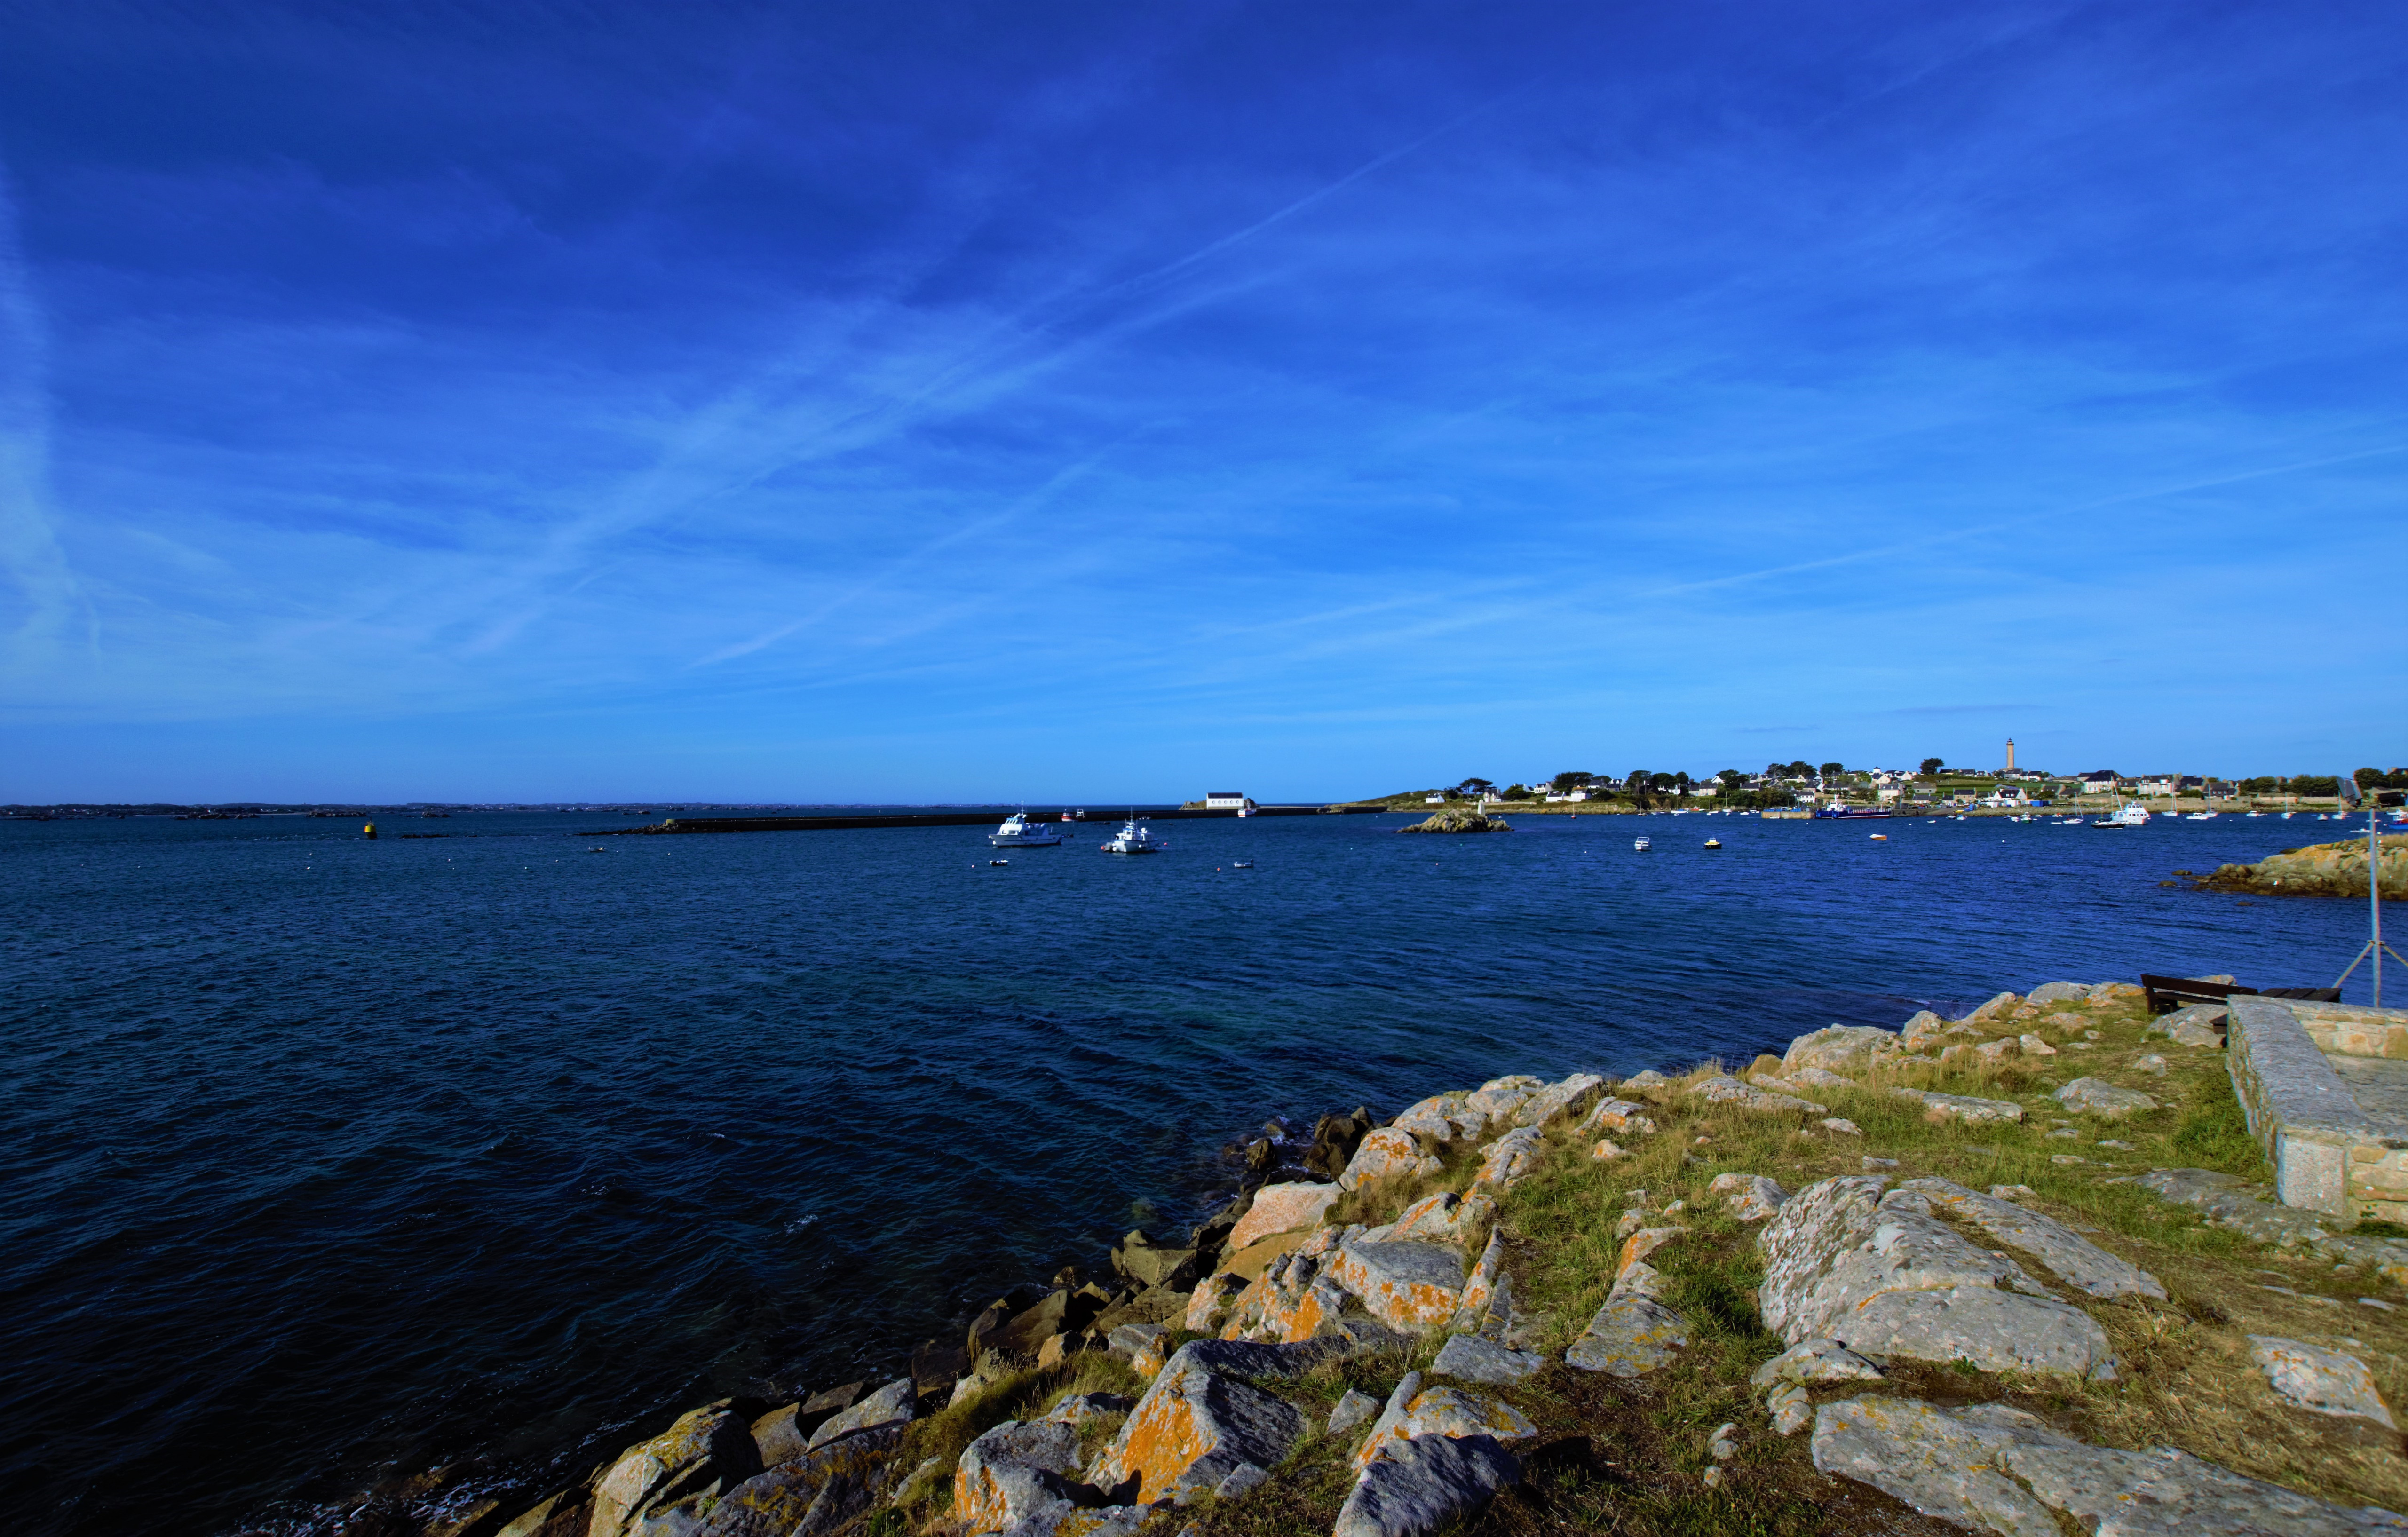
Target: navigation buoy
[[369, 830]]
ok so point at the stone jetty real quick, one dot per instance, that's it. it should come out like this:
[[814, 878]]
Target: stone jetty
[[2021, 1271]]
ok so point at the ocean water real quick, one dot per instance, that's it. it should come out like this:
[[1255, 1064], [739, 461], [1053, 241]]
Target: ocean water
[[332, 1160]]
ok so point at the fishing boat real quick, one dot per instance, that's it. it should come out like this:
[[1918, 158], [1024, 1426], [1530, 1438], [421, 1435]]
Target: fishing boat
[[1018, 832], [1132, 838], [2130, 814], [1640, 843]]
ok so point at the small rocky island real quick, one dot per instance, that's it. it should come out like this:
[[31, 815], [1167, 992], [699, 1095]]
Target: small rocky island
[[2320, 869], [1460, 819]]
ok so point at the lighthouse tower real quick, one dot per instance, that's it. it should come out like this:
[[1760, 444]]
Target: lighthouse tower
[[2011, 754]]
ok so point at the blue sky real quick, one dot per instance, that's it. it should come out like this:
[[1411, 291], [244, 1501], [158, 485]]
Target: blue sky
[[936, 402]]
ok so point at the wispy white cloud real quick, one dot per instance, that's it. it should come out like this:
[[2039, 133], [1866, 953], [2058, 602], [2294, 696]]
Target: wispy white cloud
[[47, 595]]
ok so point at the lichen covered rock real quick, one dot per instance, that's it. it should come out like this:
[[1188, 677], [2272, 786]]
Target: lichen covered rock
[[1991, 1467], [1198, 1424], [1387, 1154], [1007, 1473], [1282, 1207], [1405, 1285], [1880, 1274]]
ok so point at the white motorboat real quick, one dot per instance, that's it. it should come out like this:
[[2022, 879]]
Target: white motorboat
[[2200, 816], [1132, 838], [1639, 844], [2130, 814], [1018, 832]]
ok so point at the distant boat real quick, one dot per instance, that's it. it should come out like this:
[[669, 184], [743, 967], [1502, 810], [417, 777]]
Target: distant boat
[[1132, 838], [998, 861], [2130, 814], [2200, 816], [1878, 838], [1018, 832], [1639, 844], [1716, 842], [1241, 864]]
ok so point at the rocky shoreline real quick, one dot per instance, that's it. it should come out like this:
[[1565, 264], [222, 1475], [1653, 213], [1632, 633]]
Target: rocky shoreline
[[2319, 870], [1855, 1287]]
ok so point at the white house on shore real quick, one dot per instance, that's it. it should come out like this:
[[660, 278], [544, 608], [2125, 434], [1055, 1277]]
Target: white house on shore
[[1226, 800]]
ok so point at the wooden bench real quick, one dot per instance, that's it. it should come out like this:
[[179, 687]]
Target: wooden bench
[[2167, 994]]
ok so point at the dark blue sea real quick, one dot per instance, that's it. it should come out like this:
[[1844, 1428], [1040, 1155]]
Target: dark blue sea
[[328, 1161]]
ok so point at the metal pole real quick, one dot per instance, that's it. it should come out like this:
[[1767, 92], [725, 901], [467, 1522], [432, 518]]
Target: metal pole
[[2374, 890]]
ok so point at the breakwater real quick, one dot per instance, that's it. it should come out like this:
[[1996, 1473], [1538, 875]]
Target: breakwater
[[1057, 819]]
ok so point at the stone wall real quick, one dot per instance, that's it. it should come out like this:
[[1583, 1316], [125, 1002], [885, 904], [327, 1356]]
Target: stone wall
[[2330, 1153], [2353, 1029]]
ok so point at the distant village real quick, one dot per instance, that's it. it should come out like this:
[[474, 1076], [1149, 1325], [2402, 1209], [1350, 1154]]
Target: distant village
[[1931, 785]]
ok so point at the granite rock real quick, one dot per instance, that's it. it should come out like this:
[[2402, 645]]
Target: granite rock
[[2325, 1381], [1442, 1219], [1405, 1286], [2059, 992], [2072, 1257], [1500, 1099], [1353, 1409], [1884, 1276], [709, 1446], [1387, 1154], [1841, 1048], [1555, 1100], [1961, 1107], [1008, 1471], [1621, 1115], [1198, 1424], [1442, 1118], [1449, 1412], [1723, 1089], [816, 1492], [1475, 1359], [1988, 1467], [2100, 1098], [1510, 1158], [1282, 1207], [1753, 1196], [1426, 1485]]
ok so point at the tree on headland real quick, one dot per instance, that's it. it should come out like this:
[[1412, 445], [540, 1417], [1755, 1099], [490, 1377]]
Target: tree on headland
[[1932, 768], [1799, 769], [1473, 787], [1571, 780], [1831, 771]]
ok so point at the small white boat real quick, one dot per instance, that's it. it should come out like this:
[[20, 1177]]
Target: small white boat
[[1132, 838], [2200, 816], [1018, 832], [2286, 816], [1241, 864], [1639, 844], [2130, 814]]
